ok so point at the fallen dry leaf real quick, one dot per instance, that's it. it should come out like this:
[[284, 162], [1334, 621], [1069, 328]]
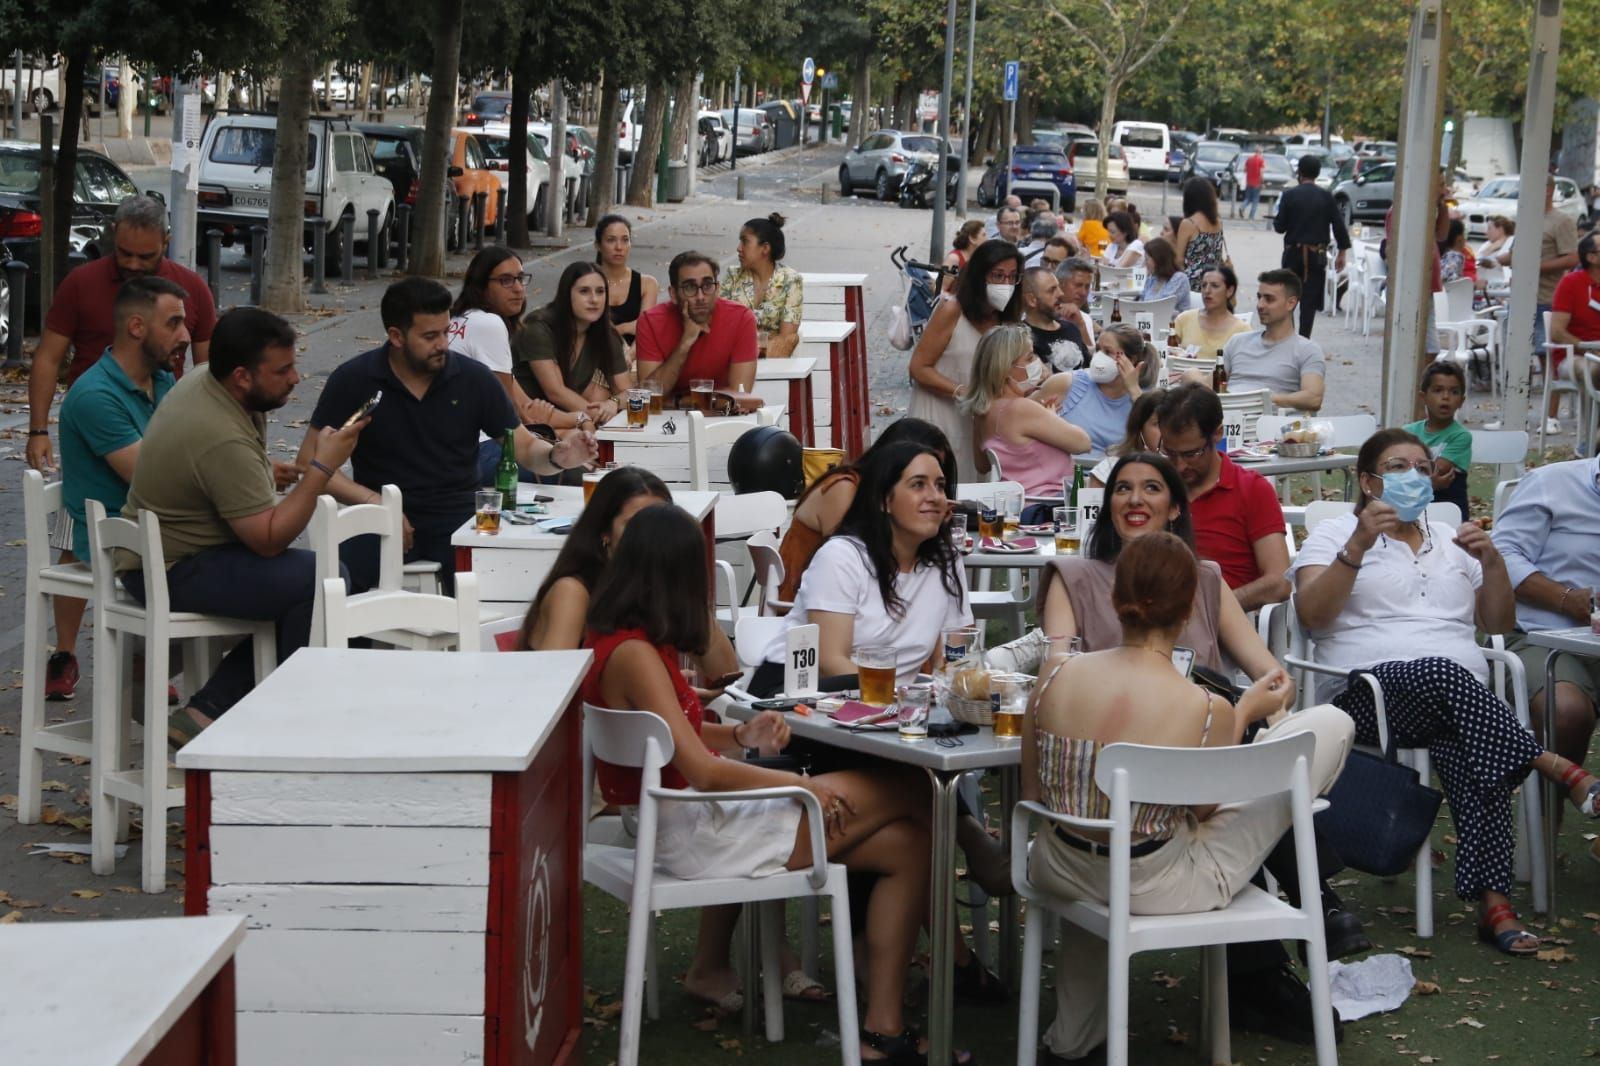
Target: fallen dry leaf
[[14, 916], [1425, 988], [1556, 955], [1471, 1023], [705, 1025], [87, 893]]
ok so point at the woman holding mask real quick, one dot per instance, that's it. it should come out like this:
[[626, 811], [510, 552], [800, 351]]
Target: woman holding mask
[[1099, 398]]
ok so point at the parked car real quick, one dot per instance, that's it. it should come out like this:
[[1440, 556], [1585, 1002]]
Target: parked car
[[881, 160], [236, 177], [337, 89], [487, 108], [1350, 167], [1276, 176], [495, 140], [1084, 157], [1145, 145], [397, 155], [754, 132], [1296, 152], [1183, 142], [1229, 133], [715, 138], [1499, 197], [1367, 196], [1210, 160], [580, 145], [1370, 148], [99, 185]]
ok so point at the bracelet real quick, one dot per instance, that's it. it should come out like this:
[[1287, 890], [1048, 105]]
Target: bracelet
[[1561, 604], [1343, 556], [38, 432], [736, 729], [315, 465]]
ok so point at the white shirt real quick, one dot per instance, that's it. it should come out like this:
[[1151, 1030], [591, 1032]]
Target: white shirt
[[1402, 606], [840, 580], [482, 335]]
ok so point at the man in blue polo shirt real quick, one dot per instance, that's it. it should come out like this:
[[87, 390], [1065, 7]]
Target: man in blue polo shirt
[[423, 437], [103, 420]]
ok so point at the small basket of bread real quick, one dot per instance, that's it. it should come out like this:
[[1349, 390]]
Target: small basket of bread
[[1301, 440], [968, 699]]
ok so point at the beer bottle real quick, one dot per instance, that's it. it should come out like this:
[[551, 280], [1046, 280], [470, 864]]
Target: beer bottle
[[1116, 310], [505, 473], [1219, 376], [1077, 484]]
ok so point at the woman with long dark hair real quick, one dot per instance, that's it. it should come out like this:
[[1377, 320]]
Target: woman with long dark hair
[[629, 293], [941, 365], [967, 238], [569, 353], [1162, 276], [762, 283], [1210, 326], [1126, 248], [1200, 245]]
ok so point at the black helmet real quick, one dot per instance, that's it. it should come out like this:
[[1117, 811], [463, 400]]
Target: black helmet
[[766, 459]]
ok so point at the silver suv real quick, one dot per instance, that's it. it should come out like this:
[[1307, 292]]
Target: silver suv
[[882, 159], [236, 178]]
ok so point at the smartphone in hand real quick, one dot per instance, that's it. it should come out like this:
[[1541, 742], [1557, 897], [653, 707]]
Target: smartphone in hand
[[363, 411]]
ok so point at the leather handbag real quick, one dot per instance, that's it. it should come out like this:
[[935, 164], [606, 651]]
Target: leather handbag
[[1379, 813], [720, 402]]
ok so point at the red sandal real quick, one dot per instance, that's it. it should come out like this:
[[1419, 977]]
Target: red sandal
[[1505, 940], [1591, 802]]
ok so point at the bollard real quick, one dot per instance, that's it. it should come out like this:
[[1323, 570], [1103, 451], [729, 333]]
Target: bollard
[[824, 192], [480, 211], [739, 192], [463, 205], [500, 230], [319, 256], [383, 242], [347, 248], [258, 251], [402, 257], [17, 282], [372, 244], [214, 264]]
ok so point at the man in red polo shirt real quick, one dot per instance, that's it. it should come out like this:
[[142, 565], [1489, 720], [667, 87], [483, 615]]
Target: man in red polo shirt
[[698, 335], [1238, 522], [81, 313]]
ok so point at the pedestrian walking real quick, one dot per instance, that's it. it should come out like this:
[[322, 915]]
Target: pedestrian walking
[[1306, 216]]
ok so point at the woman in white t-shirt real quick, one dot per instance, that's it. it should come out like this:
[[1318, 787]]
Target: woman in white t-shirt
[[1384, 579], [483, 318]]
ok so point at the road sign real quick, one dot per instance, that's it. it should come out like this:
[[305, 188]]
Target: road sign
[[1013, 76], [808, 71], [830, 81], [805, 92]]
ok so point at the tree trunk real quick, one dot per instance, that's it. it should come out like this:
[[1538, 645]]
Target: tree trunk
[[861, 99], [647, 148], [603, 190], [126, 98], [286, 216], [1577, 157], [327, 87], [67, 158], [224, 91], [365, 92], [555, 201], [518, 209], [1108, 119], [427, 257], [684, 121]]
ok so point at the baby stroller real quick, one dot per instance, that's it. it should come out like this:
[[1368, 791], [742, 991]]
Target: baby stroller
[[923, 281]]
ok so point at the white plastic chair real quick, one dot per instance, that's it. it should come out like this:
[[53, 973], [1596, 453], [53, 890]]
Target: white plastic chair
[[1011, 603], [1160, 312], [1129, 774], [1557, 384], [1245, 409], [118, 620], [1375, 281], [42, 508], [1178, 365], [767, 564], [448, 620], [1463, 336], [1503, 493], [706, 433], [1503, 448], [643, 740], [489, 633], [1591, 401]]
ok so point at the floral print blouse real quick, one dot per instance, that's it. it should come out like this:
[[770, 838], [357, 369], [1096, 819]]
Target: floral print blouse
[[783, 298]]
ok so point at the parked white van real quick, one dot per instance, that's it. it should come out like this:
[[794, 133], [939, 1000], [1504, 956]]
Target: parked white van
[[1145, 146]]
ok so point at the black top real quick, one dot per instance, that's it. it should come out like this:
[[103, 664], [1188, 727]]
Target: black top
[[1305, 216], [427, 447], [1046, 340], [629, 309]]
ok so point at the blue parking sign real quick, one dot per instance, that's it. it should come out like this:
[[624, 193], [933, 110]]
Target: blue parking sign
[[1013, 76]]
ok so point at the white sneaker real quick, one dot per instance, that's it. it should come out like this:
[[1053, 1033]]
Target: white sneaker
[[1020, 656], [1552, 425], [1492, 426]]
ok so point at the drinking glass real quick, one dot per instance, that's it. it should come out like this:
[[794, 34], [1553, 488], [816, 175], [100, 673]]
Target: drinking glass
[[653, 387], [700, 390], [916, 702], [960, 645], [876, 668], [1008, 699], [1011, 502], [592, 478], [1067, 532], [958, 531], [991, 523], [762, 337], [638, 406], [487, 519]]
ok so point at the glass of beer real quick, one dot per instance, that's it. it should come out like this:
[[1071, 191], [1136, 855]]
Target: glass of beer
[[961, 645], [1011, 502], [1067, 531], [487, 519], [991, 523], [638, 407], [916, 703], [591, 478], [653, 387], [700, 390], [876, 667], [1008, 699]]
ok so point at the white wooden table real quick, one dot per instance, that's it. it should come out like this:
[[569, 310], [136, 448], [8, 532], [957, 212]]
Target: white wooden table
[[400, 831], [1585, 644], [787, 382], [661, 445], [513, 563], [117, 993]]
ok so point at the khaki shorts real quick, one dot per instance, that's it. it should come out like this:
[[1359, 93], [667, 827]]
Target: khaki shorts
[[1572, 669]]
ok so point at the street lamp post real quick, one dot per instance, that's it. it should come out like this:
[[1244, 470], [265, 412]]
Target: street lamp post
[[936, 245]]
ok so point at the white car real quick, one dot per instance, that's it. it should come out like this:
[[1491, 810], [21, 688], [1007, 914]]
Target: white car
[[1499, 197], [495, 139]]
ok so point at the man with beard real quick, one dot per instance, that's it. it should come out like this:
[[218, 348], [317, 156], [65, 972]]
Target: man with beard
[[425, 431], [102, 421], [81, 312], [203, 469], [1058, 344], [697, 335]]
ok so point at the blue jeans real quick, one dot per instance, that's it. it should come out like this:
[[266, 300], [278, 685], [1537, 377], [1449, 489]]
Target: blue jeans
[[234, 582], [1252, 199]]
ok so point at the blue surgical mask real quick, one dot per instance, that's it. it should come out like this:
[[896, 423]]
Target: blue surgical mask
[[1408, 492]]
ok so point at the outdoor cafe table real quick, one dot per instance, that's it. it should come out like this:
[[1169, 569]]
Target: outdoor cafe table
[[656, 436], [788, 382], [1585, 644], [400, 831], [119, 993], [944, 767], [511, 564]]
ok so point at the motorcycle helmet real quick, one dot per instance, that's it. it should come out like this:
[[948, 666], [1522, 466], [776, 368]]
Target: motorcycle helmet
[[766, 459]]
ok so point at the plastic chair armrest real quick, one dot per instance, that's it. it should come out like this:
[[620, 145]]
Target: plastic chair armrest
[[1519, 681], [819, 845], [1021, 815]]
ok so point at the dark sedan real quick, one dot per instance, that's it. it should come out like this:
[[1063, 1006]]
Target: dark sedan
[[1210, 160]]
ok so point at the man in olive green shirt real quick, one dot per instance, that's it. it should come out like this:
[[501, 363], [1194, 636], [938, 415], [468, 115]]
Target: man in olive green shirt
[[203, 470]]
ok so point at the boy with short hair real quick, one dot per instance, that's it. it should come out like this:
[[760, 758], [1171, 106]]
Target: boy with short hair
[[1443, 391]]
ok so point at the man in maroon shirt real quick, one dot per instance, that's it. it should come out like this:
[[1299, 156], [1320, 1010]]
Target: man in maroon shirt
[[698, 334], [81, 313], [1238, 522]]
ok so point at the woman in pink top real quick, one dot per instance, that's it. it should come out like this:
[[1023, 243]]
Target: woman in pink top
[[1033, 444]]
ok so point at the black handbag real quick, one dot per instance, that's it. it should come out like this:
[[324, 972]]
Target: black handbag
[[1379, 813]]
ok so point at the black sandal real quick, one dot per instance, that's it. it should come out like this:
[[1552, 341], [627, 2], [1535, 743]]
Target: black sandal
[[974, 984], [902, 1050]]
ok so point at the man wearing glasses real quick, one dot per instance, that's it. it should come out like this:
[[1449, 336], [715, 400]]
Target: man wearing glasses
[[1238, 522], [698, 334]]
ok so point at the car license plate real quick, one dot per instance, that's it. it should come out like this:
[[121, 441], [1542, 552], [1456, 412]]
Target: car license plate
[[1041, 175], [250, 201]]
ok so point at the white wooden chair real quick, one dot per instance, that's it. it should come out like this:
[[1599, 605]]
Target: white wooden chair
[[449, 620], [42, 510], [706, 433], [641, 739], [1129, 774], [118, 620]]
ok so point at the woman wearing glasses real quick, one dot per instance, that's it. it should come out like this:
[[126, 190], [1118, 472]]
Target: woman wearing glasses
[[484, 318], [941, 365], [1386, 579], [568, 352]]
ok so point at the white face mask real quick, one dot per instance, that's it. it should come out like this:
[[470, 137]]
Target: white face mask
[[1000, 295], [1035, 371], [1102, 369]]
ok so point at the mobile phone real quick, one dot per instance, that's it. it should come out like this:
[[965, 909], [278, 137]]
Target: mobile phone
[[1183, 660], [787, 703], [363, 411]]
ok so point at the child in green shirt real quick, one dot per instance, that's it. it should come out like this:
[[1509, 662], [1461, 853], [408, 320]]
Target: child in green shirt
[[1444, 390]]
